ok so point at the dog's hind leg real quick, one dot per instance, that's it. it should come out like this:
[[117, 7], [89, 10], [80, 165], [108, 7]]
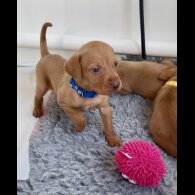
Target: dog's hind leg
[[41, 90]]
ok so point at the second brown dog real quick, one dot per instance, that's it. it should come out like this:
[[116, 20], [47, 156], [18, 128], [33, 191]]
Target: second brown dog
[[163, 124]]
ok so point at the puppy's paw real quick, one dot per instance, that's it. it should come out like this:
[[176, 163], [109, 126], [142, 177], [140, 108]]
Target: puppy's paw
[[37, 112], [114, 141]]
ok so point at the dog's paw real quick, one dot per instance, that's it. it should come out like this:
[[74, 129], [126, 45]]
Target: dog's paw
[[37, 112], [114, 141]]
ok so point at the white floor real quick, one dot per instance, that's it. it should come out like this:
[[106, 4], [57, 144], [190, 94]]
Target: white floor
[[25, 121]]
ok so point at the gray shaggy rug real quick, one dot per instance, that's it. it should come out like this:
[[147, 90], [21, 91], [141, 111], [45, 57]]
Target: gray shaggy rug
[[69, 163]]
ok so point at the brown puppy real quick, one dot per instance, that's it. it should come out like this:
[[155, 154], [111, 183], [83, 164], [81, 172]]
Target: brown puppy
[[141, 77], [163, 124], [93, 69]]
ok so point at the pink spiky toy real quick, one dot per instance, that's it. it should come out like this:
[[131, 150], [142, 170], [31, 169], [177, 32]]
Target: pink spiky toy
[[141, 163]]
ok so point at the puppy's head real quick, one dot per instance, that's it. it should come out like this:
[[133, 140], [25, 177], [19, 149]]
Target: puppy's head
[[93, 67]]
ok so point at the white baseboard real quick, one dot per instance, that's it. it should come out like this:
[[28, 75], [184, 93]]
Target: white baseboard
[[121, 46]]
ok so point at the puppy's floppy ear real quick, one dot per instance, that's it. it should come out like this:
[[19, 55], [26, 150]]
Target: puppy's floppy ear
[[168, 73], [73, 66]]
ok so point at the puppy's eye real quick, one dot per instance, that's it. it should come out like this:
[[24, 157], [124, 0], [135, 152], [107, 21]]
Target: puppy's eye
[[95, 69]]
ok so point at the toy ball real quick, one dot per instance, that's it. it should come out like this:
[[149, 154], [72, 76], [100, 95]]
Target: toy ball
[[141, 163]]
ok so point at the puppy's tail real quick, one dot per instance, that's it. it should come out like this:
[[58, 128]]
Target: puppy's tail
[[43, 41]]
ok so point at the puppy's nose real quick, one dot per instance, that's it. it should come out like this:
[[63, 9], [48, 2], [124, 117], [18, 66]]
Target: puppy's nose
[[116, 85]]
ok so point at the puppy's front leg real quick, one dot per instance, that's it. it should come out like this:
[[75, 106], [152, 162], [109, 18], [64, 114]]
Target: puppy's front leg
[[77, 117], [106, 115]]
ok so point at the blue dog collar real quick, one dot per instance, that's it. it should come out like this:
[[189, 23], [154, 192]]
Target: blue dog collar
[[82, 92]]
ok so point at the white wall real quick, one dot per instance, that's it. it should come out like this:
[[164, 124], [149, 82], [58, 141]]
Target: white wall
[[102, 19]]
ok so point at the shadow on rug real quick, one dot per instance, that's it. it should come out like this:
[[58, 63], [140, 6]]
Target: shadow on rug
[[65, 162]]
